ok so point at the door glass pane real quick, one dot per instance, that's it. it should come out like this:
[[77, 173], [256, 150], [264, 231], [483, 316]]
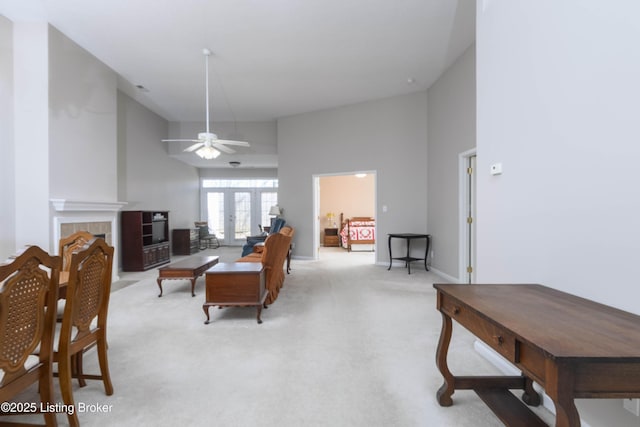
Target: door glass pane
[[267, 199], [242, 214], [215, 211]]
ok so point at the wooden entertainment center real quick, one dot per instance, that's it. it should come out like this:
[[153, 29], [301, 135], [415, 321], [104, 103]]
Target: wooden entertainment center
[[571, 346], [145, 239]]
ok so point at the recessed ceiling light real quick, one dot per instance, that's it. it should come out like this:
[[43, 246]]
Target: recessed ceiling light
[[234, 163], [411, 81]]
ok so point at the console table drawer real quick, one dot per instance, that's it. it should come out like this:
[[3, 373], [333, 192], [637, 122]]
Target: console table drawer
[[498, 338]]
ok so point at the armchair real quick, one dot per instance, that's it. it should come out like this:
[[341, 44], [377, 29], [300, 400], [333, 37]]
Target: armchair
[[206, 238], [247, 248]]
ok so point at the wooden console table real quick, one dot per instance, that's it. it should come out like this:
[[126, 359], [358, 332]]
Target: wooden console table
[[408, 259], [235, 284], [573, 347], [189, 269]]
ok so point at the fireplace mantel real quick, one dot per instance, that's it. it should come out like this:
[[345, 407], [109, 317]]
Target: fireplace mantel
[[63, 205]]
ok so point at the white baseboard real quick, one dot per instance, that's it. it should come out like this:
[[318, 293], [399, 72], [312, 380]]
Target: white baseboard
[[507, 368], [445, 276]]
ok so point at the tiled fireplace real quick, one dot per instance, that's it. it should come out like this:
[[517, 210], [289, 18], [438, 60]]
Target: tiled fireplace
[[98, 218]]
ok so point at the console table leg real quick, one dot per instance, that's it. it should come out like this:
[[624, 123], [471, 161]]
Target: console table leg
[[426, 253], [446, 390], [559, 389], [530, 396], [160, 286], [390, 256]]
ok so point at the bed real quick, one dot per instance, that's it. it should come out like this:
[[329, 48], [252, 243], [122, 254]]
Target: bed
[[358, 230]]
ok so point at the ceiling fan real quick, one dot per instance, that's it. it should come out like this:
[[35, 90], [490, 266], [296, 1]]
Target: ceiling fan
[[208, 146]]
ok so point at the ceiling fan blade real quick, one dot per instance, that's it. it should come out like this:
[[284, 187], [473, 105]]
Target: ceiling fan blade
[[222, 148], [194, 147], [208, 138], [230, 142]]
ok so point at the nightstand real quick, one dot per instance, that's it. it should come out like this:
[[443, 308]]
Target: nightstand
[[331, 237]]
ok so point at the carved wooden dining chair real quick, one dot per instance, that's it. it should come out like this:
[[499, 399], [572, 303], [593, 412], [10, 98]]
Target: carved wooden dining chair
[[84, 322], [28, 295], [68, 245]]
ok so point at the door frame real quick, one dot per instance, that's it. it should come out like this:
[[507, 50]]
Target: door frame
[[466, 232]]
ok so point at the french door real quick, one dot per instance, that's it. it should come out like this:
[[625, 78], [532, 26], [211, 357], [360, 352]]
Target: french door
[[234, 214]]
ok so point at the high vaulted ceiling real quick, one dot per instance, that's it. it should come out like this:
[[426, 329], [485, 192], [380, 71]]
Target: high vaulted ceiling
[[271, 58]]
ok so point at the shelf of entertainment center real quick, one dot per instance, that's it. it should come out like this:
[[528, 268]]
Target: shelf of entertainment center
[[145, 239]]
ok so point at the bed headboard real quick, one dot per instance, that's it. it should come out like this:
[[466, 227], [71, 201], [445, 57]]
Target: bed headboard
[[344, 220], [361, 218]]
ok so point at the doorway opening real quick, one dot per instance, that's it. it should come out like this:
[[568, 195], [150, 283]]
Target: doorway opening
[[341, 196]]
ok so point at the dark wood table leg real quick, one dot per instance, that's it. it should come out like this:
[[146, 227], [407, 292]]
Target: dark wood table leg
[[205, 307], [193, 286], [259, 312], [560, 380], [446, 390], [408, 263], [426, 254], [530, 396], [390, 256], [160, 286]]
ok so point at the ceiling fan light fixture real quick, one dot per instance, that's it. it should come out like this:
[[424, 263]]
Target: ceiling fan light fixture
[[207, 152]]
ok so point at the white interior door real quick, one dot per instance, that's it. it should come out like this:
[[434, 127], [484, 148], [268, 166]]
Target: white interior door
[[239, 216]]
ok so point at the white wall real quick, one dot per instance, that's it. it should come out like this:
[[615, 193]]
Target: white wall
[[31, 134], [452, 130], [7, 161], [82, 123], [238, 173], [388, 136], [558, 94], [148, 178]]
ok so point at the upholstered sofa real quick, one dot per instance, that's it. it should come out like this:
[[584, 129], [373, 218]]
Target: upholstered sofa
[[272, 256]]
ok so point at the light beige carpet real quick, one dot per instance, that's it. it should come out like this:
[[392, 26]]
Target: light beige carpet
[[347, 343]]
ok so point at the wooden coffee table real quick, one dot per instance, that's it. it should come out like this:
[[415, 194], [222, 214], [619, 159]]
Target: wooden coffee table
[[187, 269]]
